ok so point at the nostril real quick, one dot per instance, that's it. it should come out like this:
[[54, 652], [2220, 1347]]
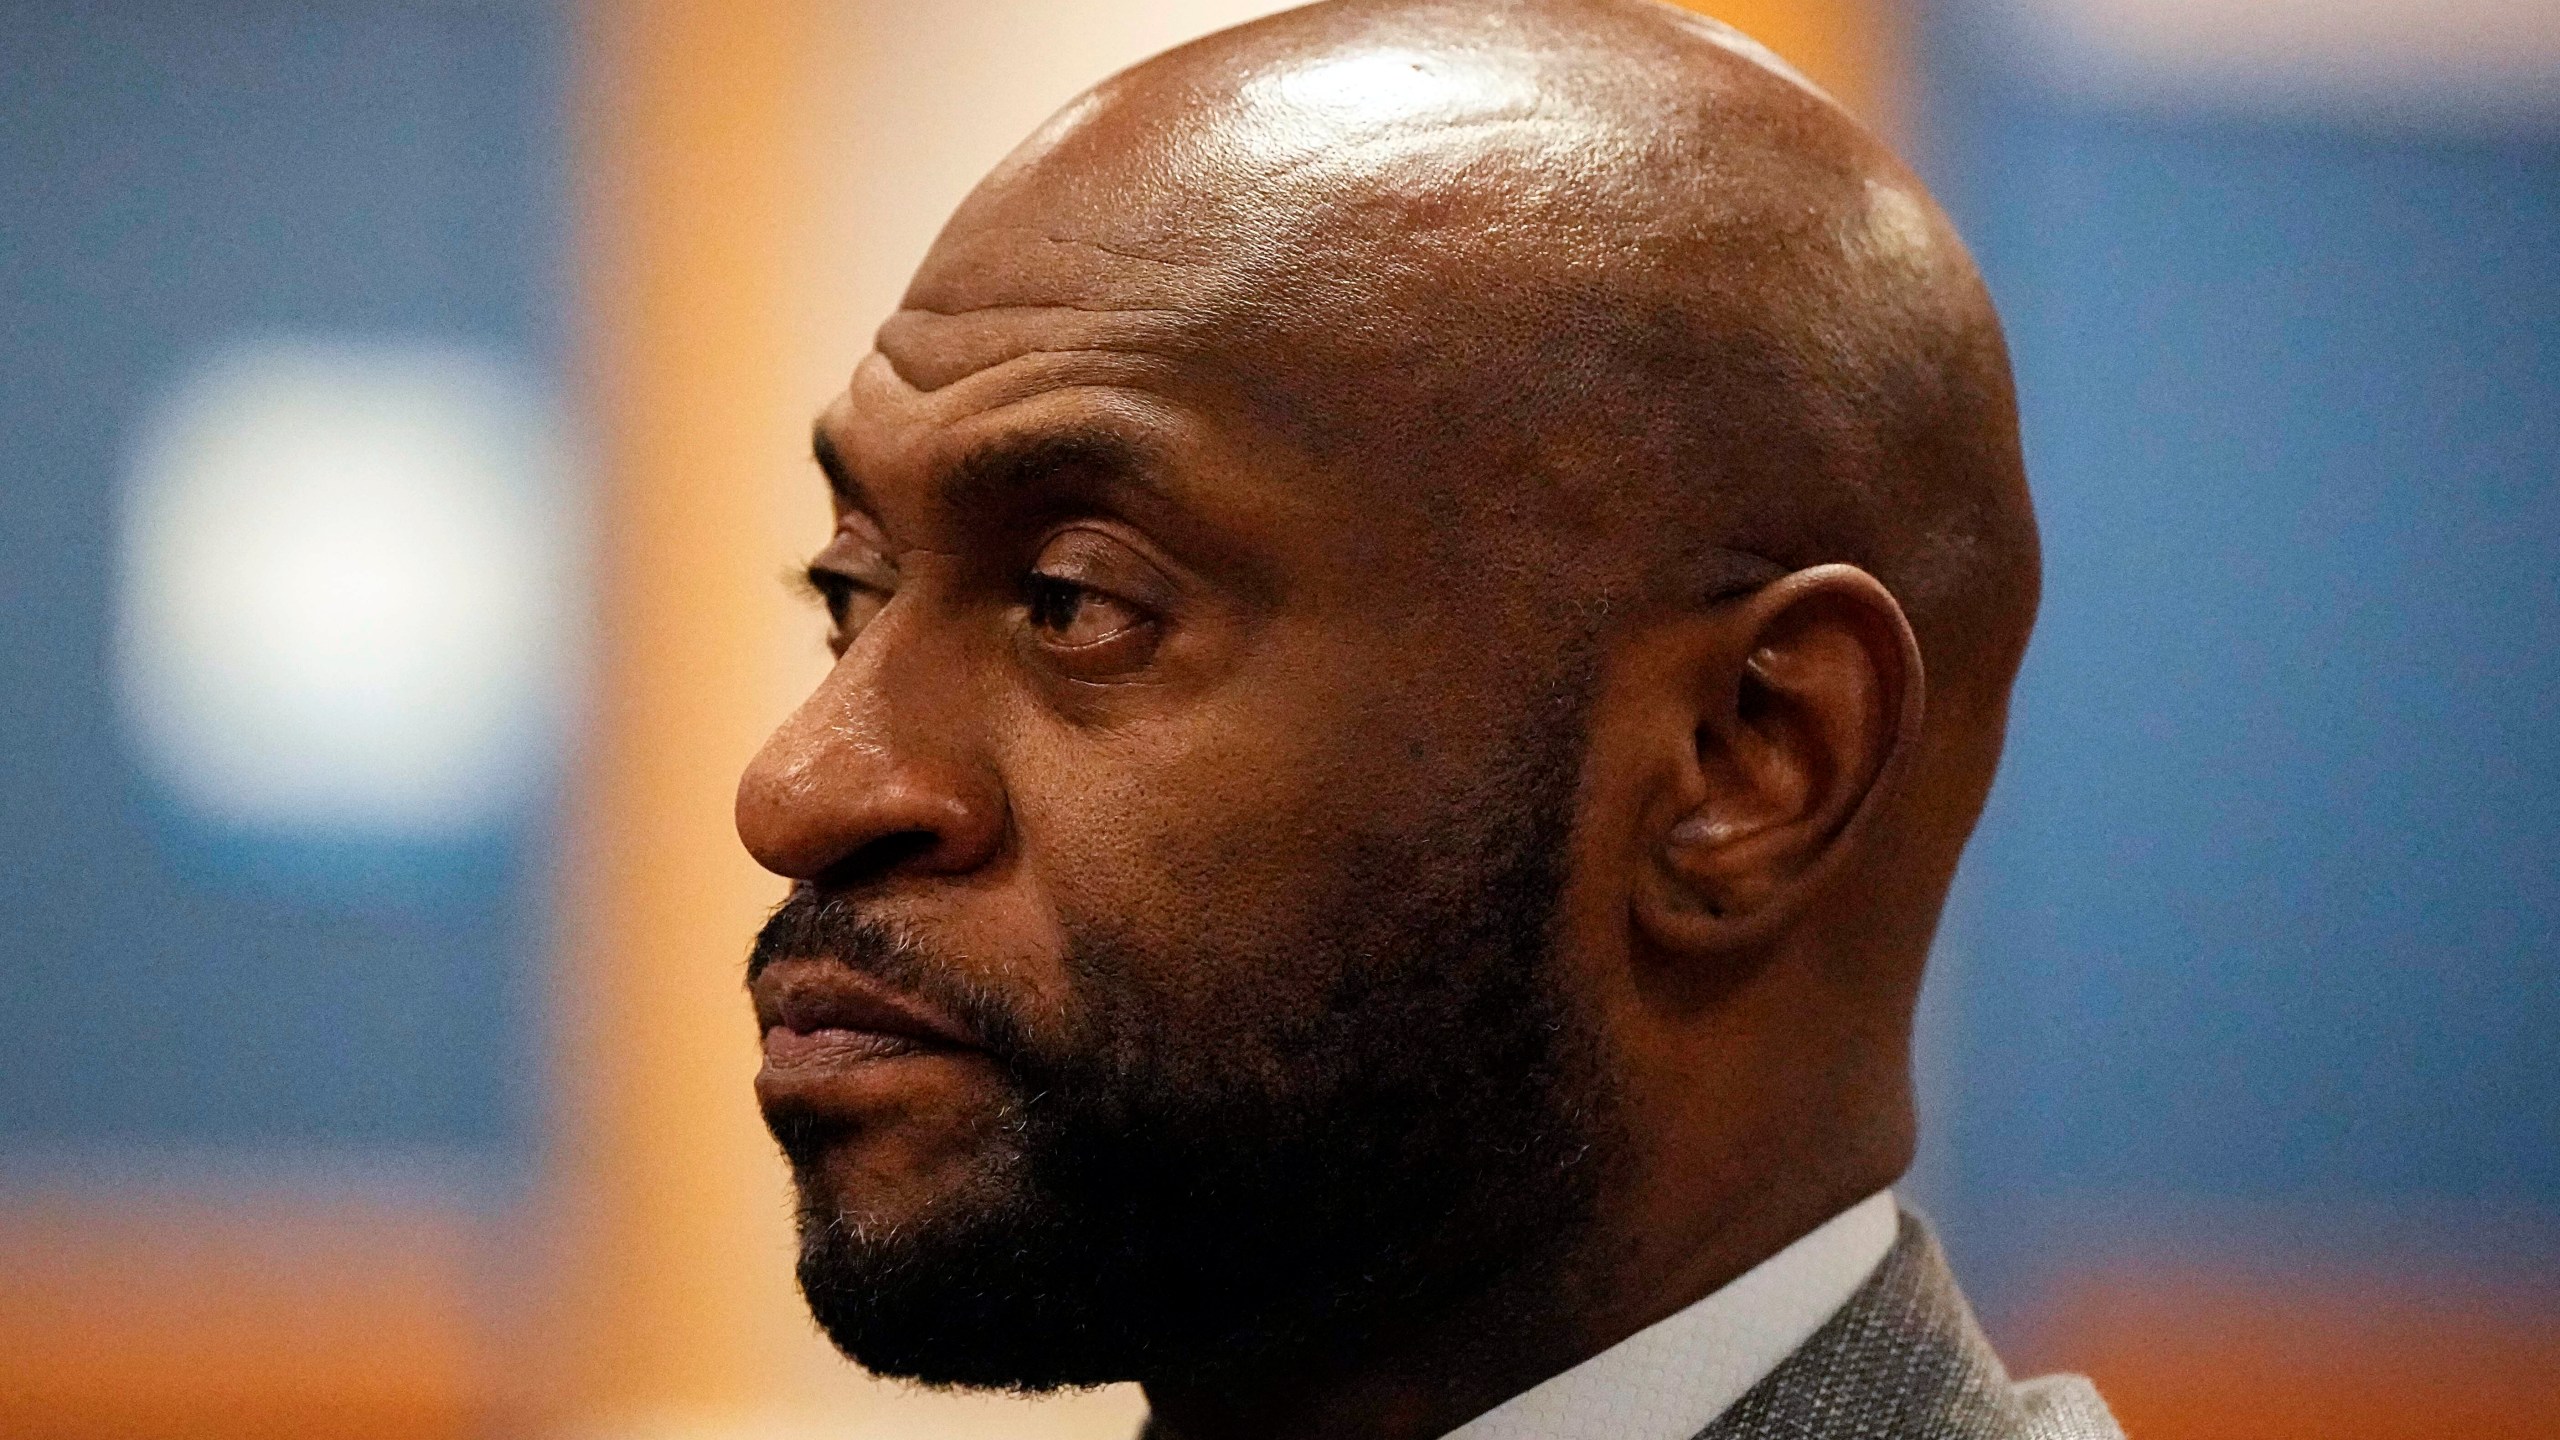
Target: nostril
[[887, 855]]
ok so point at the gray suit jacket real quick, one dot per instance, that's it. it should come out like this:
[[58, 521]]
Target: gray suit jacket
[[1904, 1360]]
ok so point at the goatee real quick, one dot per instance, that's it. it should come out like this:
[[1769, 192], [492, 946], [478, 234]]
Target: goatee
[[1432, 1137]]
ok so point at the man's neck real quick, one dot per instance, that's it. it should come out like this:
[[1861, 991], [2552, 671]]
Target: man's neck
[[1509, 1338], [1418, 1388]]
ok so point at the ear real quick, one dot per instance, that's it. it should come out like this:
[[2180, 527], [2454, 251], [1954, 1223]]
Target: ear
[[1806, 698]]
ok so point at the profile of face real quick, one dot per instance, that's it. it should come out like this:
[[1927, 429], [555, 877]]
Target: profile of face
[[1356, 750], [1172, 978]]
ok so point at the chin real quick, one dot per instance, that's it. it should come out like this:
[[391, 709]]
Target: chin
[[949, 1281]]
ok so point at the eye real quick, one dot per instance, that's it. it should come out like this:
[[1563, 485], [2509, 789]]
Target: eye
[[1073, 617], [1076, 605], [850, 603]]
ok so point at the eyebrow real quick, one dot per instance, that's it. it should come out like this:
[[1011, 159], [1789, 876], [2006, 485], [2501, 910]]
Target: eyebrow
[[1036, 475], [1082, 459], [822, 448], [1003, 469]]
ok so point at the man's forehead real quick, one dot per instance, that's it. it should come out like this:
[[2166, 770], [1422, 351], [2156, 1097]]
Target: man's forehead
[[930, 352], [1373, 138], [1322, 236], [1165, 266], [1057, 256], [1077, 243], [1147, 190]]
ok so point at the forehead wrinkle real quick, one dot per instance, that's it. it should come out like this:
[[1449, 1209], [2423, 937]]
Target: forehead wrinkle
[[926, 367], [930, 385], [982, 259], [1115, 251], [1035, 305], [986, 307]]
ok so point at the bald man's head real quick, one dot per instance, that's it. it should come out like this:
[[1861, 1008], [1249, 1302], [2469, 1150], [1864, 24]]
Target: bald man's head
[[1603, 267], [1426, 593]]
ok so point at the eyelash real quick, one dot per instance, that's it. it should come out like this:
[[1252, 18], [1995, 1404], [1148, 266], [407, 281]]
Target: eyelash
[[1051, 600], [833, 592], [1051, 603]]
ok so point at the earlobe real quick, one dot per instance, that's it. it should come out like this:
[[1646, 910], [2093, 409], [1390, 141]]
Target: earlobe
[[1803, 714]]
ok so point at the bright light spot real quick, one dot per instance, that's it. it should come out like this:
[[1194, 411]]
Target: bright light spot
[[1897, 226], [1390, 85], [343, 593]]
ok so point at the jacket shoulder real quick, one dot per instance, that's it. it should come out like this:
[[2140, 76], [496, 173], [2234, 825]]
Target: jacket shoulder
[[2065, 1407], [1905, 1360]]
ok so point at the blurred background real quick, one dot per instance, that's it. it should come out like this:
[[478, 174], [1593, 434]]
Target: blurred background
[[403, 432]]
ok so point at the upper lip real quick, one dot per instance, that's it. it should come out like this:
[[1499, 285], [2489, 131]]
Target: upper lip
[[811, 994]]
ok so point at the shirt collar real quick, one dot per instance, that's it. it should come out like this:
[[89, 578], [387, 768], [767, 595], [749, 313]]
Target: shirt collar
[[1671, 1379]]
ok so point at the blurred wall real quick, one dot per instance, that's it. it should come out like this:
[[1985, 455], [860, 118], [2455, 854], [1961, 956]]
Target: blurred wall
[[259, 1081], [177, 179], [2250, 1104]]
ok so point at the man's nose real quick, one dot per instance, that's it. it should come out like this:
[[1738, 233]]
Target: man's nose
[[870, 778]]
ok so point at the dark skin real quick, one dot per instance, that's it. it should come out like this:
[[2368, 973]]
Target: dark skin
[[1249, 436]]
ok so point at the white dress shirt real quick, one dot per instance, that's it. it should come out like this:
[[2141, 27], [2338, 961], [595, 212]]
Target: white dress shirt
[[1671, 1379]]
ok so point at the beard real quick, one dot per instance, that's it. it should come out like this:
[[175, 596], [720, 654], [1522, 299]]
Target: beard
[[1423, 1132]]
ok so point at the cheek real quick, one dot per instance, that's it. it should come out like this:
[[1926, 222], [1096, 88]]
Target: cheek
[[1206, 854]]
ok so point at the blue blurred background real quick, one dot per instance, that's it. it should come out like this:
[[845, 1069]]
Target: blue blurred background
[[178, 179], [2263, 919]]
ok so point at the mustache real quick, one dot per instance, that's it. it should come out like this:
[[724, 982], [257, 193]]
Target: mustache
[[811, 925]]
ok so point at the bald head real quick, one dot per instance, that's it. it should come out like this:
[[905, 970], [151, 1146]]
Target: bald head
[[1605, 274], [1425, 592]]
